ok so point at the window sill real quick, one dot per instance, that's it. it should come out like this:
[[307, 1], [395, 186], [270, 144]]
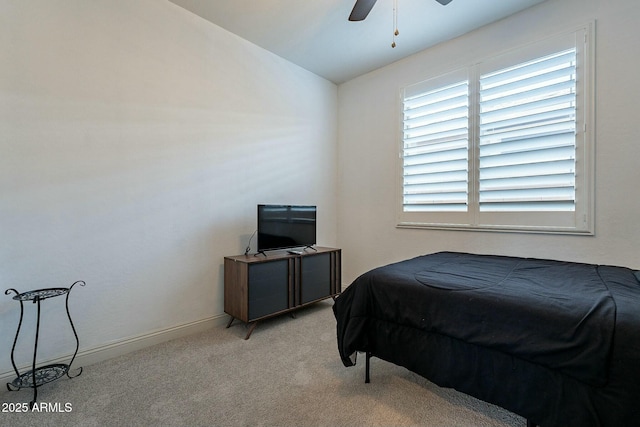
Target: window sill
[[497, 228]]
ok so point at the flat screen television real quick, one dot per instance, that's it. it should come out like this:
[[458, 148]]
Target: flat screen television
[[286, 226]]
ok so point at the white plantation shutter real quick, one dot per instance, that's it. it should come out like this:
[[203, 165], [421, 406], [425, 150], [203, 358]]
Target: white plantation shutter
[[527, 136], [435, 152], [504, 144]]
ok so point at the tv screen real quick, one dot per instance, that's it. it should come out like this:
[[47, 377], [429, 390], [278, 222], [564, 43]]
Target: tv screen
[[286, 226]]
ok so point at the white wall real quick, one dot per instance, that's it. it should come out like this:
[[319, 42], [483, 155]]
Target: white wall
[[368, 134], [135, 141]]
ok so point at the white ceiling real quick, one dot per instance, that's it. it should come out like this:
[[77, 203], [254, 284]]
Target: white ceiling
[[317, 35]]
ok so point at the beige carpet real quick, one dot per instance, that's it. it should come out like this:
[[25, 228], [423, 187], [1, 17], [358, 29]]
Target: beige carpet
[[287, 374]]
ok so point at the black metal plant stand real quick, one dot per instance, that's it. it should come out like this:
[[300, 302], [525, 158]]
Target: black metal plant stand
[[44, 374]]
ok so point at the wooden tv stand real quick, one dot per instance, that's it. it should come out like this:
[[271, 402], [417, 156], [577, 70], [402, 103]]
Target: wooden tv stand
[[260, 286]]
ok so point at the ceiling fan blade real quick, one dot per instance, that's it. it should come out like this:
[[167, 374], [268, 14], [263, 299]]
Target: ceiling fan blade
[[361, 9], [444, 2]]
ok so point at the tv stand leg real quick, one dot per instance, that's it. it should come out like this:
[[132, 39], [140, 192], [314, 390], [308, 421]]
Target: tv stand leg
[[230, 322], [251, 328]]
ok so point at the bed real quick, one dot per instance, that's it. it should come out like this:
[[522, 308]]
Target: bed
[[555, 342]]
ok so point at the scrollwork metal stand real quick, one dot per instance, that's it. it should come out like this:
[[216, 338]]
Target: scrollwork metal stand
[[43, 374]]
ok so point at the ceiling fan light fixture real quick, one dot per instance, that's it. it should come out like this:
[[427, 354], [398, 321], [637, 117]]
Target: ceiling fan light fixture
[[362, 8]]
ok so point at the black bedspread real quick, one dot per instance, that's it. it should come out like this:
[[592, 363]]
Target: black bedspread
[[581, 322]]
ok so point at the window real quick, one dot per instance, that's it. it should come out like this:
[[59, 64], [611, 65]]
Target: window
[[504, 144]]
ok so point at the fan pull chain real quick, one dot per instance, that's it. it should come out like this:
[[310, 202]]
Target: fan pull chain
[[395, 22]]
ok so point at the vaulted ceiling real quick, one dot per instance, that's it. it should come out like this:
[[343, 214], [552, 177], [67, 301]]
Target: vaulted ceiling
[[317, 35]]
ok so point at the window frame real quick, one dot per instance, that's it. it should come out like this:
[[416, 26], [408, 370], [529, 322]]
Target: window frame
[[579, 221]]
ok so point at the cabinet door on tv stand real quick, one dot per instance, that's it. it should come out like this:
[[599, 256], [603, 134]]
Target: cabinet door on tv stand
[[268, 288], [315, 277]]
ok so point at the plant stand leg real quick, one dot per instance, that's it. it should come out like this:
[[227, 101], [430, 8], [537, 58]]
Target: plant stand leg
[[35, 351]]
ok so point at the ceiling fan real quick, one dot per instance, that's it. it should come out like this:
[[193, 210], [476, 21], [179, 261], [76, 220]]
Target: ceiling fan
[[362, 8]]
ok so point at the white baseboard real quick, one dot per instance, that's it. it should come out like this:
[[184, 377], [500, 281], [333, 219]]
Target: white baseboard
[[119, 348]]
